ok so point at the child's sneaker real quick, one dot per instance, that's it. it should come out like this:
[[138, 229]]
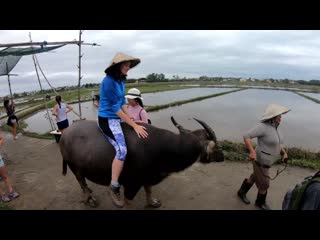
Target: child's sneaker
[[5, 198], [13, 195]]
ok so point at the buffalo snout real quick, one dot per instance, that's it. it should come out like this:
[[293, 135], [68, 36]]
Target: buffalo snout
[[218, 156]]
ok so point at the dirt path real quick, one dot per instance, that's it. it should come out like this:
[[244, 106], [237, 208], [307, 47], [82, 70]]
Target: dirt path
[[35, 168]]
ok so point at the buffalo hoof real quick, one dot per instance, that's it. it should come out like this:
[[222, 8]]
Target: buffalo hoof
[[154, 203], [92, 202], [128, 207]]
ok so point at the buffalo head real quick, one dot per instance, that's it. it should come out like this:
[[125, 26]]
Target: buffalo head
[[211, 150]]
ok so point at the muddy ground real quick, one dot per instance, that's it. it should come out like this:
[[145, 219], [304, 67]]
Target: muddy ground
[[35, 168]]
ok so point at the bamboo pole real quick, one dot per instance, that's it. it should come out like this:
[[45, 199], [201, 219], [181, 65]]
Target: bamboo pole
[[41, 89], [35, 66], [44, 43], [79, 67], [37, 43]]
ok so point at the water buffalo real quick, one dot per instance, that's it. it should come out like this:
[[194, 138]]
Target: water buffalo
[[89, 155]]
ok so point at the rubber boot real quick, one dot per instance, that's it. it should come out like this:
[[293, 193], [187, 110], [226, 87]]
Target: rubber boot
[[261, 202], [245, 187]]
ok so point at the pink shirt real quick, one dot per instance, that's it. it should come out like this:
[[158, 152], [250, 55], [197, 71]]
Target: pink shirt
[[138, 113]]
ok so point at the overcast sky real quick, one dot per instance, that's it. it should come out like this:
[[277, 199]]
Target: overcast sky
[[258, 54]]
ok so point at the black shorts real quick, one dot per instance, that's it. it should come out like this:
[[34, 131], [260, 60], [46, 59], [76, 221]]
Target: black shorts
[[104, 126], [63, 124], [11, 120]]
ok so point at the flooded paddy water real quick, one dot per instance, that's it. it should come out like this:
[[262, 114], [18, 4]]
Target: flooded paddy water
[[230, 115]]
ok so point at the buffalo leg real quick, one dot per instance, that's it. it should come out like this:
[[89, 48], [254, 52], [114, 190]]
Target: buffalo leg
[[151, 202], [88, 198]]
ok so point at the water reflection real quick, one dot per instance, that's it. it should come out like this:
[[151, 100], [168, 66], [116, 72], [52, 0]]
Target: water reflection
[[159, 98], [233, 114], [39, 122]]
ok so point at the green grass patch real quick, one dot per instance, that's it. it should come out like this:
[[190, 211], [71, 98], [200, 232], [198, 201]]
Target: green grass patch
[[297, 156], [4, 206], [21, 129], [7, 128], [38, 135]]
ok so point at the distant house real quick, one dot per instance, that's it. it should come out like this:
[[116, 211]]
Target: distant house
[[243, 80], [140, 80]]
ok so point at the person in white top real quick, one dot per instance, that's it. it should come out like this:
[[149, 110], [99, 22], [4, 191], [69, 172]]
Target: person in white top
[[60, 110]]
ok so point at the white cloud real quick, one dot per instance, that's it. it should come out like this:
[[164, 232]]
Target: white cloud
[[259, 54]]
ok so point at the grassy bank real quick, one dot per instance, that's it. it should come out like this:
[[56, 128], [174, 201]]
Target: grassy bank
[[4, 206], [297, 156], [178, 103], [38, 135], [308, 97], [21, 128]]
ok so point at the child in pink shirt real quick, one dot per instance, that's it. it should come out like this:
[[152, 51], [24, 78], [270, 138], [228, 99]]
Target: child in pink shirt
[[135, 106], [136, 109]]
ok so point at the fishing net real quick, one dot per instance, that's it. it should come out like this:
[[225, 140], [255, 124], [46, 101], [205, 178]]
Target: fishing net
[[9, 57]]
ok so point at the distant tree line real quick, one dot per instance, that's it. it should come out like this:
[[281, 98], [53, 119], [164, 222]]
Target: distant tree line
[[311, 82], [155, 77]]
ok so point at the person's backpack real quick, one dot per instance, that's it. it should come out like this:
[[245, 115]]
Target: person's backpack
[[149, 121], [293, 198]]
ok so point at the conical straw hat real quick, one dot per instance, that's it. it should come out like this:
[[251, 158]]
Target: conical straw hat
[[121, 57], [273, 110]]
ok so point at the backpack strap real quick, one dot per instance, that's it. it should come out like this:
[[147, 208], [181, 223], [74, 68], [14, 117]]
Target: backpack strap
[[298, 192], [140, 114], [317, 174]]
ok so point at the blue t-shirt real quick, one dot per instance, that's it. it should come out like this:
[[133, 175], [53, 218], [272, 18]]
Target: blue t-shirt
[[112, 97]]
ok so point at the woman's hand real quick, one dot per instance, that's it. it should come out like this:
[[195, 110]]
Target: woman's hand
[[141, 131], [248, 143], [138, 121], [285, 157], [253, 156]]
